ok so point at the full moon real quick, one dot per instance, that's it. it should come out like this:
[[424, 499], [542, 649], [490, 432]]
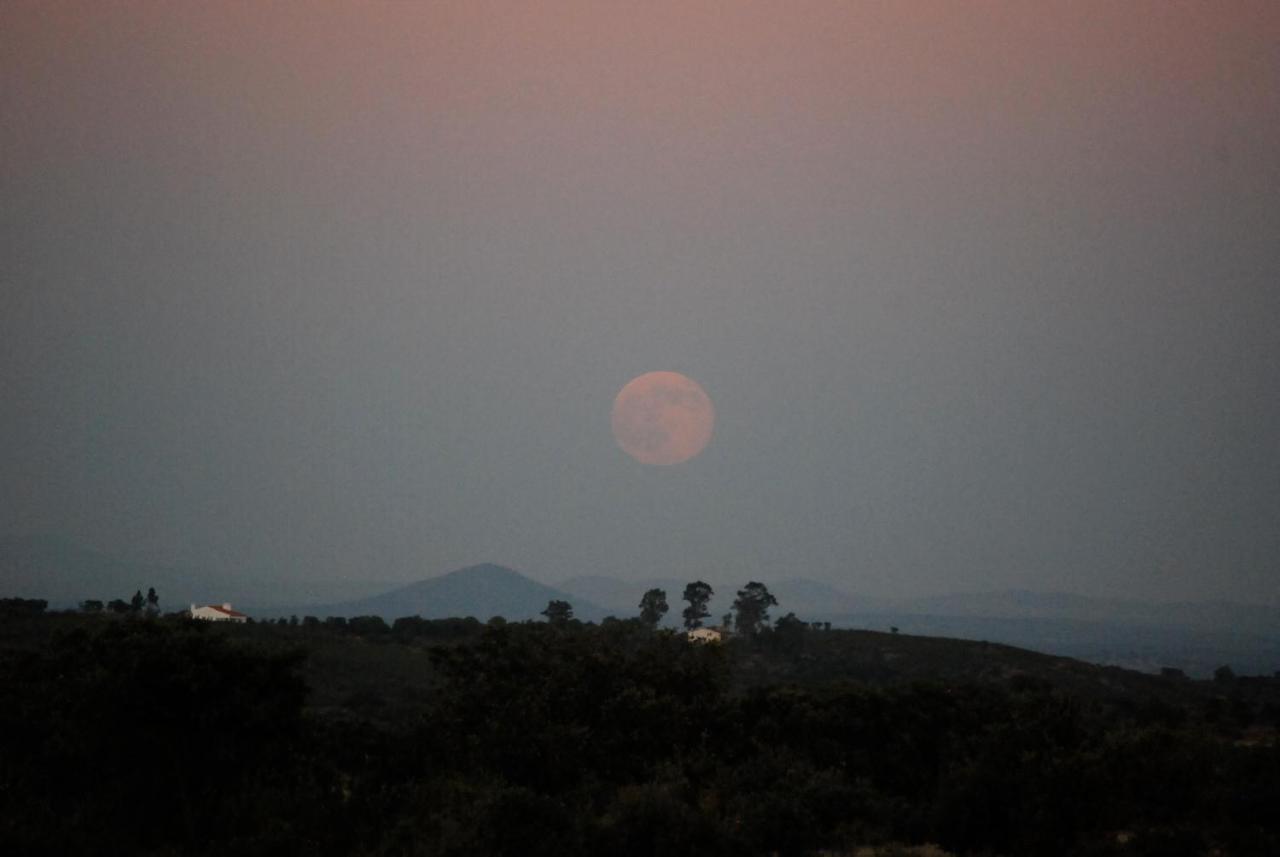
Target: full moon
[[662, 418]]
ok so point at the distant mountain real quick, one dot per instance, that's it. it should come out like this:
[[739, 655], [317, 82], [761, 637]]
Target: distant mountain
[[482, 591], [622, 597], [1143, 635], [811, 598]]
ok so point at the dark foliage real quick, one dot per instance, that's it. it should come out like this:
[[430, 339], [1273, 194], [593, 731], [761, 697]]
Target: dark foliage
[[137, 735], [698, 594], [751, 608], [408, 628], [22, 606], [369, 626], [653, 606], [558, 612], [449, 737]]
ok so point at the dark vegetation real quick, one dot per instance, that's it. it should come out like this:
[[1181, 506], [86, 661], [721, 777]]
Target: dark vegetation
[[135, 734]]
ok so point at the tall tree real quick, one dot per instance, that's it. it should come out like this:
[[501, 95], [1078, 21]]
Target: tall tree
[[558, 612], [22, 606], [751, 608], [653, 606], [698, 594], [789, 632], [136, 602], [153, 600]]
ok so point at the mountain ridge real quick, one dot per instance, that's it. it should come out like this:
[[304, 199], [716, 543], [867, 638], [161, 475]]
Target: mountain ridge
[[483, 591], [1195, 636]]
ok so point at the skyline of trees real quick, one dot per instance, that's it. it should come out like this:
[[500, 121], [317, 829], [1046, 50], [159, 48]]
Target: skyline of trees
[[698, 594], [653, 606], [751, 608]]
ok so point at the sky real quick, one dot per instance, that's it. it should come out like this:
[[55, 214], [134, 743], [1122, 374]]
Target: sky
[[985, 295]]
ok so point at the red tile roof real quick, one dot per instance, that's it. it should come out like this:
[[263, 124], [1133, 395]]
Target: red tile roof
[[228, 611]]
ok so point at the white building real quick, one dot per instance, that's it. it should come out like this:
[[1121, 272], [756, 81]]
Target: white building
[[705, 635], [218, 613]]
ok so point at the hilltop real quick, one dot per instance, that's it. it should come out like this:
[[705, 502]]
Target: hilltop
[[481, 591]]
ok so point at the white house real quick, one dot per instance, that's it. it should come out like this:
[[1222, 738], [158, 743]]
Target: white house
[[705, 635], [218, 613]]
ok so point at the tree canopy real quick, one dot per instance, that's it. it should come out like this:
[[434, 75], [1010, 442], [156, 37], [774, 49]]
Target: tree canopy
[[698, 594], [558, 612], [751, 608], [653, 606]]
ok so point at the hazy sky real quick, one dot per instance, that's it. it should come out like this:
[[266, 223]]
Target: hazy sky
[[984, 294]]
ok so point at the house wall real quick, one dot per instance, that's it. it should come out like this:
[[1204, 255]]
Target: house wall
[[213, 615]]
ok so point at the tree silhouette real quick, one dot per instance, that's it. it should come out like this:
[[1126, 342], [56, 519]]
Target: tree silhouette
[[653, 606], [789, 632], [136, 602], [22, 606], [363, 625], [751, 608], [153, 601], [558, 612], [698, 594]]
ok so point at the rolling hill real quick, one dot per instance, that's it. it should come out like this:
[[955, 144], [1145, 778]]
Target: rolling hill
[[1194, 637], [481, 591]]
